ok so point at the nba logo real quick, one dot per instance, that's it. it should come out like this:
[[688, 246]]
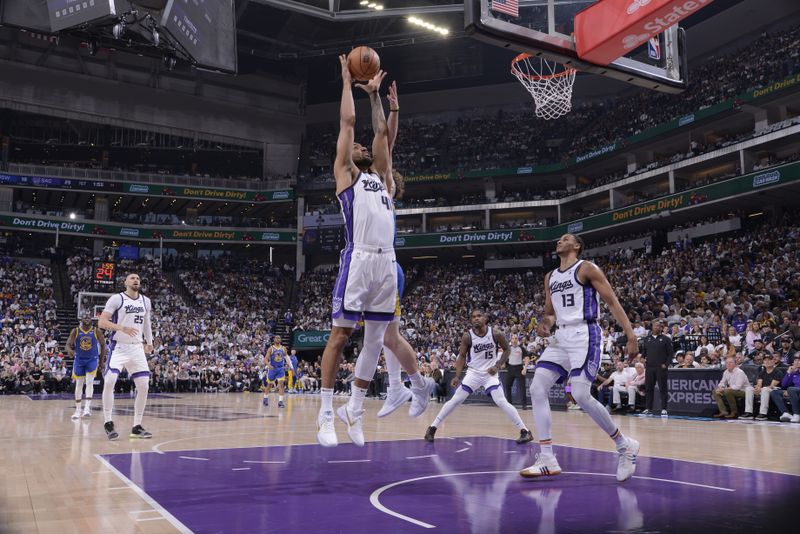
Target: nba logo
[[654, 48]]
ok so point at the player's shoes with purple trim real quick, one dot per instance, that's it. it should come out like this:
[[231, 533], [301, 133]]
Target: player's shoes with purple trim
[[326, 433], [421, 397], [353, 422], [396, 396], [627, 460], [546, 465]]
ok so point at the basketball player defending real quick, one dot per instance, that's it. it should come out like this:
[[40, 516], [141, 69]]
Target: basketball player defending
[[277, 357], [127, 315], [367, 280], [572, 303], [479, 351], [395, 347], [88, 348]]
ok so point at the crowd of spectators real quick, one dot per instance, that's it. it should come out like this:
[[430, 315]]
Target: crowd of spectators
[[30, 357], [515, 138]]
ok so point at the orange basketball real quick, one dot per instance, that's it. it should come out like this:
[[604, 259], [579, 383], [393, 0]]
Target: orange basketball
[[364, 63]]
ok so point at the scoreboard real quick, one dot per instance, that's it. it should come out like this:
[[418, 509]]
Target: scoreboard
[[103, 275]]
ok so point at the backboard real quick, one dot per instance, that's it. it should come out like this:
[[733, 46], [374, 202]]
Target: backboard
[[546, 28]]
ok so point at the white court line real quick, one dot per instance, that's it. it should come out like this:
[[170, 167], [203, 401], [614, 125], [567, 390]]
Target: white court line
[[347, 461], [468, 443], [374, 498], [417, 457], [240, 469], [151, 519], [510, 452], [462, 450], [263, 462], [194, 458], [117, 488], [148, 499]]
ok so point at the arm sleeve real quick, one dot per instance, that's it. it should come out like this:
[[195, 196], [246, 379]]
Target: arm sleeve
[[113, 304], [148, 327]]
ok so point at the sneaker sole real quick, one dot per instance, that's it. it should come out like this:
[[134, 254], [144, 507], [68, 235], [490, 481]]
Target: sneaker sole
[[523, 474], [113, 437], [136, 436]]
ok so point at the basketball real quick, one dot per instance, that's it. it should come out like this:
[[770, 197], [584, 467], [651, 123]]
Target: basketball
[[364, 63]]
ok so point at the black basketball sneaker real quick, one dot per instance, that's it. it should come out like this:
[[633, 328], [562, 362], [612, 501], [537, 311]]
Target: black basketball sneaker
[[139, 432], [110, 432]]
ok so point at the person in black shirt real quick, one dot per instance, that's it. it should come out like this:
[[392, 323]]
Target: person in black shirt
[[37, 380], [658, 351], [769, 379]]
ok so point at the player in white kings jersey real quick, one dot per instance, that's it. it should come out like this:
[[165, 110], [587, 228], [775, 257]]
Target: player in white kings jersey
[[479, 351], [127, 315], [572, 303], [367, 281]]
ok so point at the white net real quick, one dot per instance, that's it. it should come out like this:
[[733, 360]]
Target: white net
[[550, 83]]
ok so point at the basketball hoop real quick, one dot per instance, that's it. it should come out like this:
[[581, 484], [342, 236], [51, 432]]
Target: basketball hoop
[[549, 83]]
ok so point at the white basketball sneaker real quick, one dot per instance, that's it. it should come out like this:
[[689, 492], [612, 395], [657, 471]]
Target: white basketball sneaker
[[396, 396], [422, 397], [77, 414], [353, 422], [546, 465], [627, 460], [326, 433]]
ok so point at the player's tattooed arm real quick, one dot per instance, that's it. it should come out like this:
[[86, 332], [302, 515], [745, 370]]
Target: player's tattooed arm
[[466, 343]]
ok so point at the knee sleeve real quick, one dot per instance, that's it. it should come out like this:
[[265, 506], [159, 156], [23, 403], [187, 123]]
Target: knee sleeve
[[543, 380], [373, 342]]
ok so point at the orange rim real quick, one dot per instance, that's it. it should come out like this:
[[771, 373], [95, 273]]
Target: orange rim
[[515, 71]]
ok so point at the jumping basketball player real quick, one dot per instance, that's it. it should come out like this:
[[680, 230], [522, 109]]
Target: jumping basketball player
[[88, 348], [127, 315], [572, 302], [394, 344], [278, 359], [479, 351], [367, 280]]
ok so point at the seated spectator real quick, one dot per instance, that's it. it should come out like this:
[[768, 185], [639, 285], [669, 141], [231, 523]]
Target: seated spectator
[[769, 379], [731, 388], [688, 359], [621, 378], [789, 389], [786, 353]]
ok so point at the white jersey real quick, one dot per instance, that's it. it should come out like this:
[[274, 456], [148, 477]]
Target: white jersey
[[368, 213], [573, 302], [483, 352], [126, 311]]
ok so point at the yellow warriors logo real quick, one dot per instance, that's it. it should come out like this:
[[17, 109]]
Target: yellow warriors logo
[[86, 343]]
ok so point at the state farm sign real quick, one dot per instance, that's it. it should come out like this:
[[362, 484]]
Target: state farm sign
[[611, 28]]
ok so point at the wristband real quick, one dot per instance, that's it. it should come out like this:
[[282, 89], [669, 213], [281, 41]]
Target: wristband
[[394, 110]]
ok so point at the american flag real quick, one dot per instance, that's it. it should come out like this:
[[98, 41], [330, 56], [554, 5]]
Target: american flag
[[509, 7]]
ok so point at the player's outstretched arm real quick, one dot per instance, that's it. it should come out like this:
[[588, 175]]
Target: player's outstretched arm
[[599, 281], [381, 157], [344, 170], [461, 361], [393, 122], [549, 318]]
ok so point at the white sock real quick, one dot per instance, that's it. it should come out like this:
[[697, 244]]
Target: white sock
[[87, 406], [89, 392], [78, 407], [79, 389], [356, 402], [110, 380], [392, 368], [458, 397], [142, 386], [280, 398], [326, 395], [500, 400], [416, 380], [543, 380]]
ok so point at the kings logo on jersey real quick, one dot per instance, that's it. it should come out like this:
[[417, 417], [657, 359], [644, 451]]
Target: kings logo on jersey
[[557, 287]]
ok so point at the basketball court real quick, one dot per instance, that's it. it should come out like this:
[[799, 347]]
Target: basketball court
[[225, 463]]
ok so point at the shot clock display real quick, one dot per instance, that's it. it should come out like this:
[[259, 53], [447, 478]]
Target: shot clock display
[[104, 272]]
